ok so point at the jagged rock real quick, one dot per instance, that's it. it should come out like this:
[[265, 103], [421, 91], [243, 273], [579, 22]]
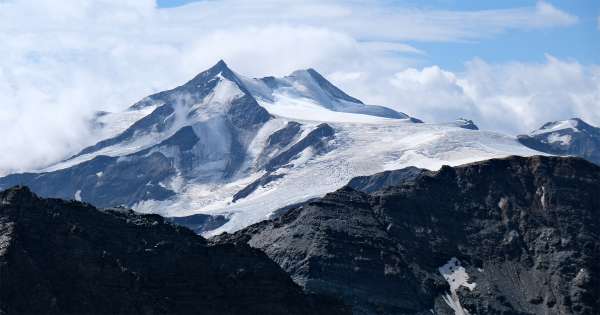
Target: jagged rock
[[466, 124], [372, 183], [316, 139], [65, 257], [200, 223], [523, 234]]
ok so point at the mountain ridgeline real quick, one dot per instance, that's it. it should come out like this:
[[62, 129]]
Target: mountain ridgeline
[[199, 131], [503, 236], [224, 151], [66, 257]]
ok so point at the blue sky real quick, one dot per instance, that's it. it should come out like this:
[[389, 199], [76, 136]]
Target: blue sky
[[580, 41]]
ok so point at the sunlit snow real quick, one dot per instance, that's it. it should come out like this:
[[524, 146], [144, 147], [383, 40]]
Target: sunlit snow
[[358, 149], [556, 138], [362, 145]]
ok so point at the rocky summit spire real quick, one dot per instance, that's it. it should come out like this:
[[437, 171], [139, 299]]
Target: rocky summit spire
[[16, 194], [220, 68]]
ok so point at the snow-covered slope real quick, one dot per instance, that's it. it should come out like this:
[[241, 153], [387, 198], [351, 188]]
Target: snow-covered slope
[[304, 91], [566, 137], [240, 147], [357, 149]]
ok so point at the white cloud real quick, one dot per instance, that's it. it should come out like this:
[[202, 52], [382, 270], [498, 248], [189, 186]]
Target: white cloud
[[379, 20], [548, 15], [82, 56], [511, 97]]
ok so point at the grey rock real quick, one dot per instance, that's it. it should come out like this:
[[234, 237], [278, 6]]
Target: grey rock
[[525, 229], [317, 139], [200, 223], [61, 257], [372, 183], [466, 124], [261, 182]]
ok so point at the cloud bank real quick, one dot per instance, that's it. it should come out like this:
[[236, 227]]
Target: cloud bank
[[82, 56], [512, 97]]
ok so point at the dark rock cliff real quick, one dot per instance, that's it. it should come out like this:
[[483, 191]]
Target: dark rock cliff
[[503, 236], [64, 257]]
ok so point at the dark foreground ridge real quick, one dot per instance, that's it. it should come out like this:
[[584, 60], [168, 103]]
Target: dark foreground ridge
[[64, 257], [525, 230]]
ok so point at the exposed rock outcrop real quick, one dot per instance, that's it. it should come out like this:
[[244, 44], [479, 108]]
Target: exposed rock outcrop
[[66, 257], [503, 236]]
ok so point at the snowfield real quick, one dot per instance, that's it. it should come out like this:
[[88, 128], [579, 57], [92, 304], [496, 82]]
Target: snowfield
[[367, 139], [359, 148]]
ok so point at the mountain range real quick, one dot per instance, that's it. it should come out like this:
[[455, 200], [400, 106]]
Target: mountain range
[[232, 150], [517, 235], [502, 236], [307, 201], [67, 257]]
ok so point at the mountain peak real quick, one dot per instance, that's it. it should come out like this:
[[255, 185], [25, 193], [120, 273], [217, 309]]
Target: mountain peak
[[221, 62], [566, 137], [580, 123], [328, 87], [219, 68], [16, 194], [196, 85], [574, 124]]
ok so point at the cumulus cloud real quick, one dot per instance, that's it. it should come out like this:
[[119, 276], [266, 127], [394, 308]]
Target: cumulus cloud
[[511, 97], [82, 56]]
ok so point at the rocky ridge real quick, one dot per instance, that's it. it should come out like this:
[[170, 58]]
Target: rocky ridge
[[503, 236], [67, 257]]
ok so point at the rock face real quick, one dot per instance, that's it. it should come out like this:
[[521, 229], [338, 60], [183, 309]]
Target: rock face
[[466, 123], [200, 223], [64, 257], [503, 236], [567, 137], [372, 183]]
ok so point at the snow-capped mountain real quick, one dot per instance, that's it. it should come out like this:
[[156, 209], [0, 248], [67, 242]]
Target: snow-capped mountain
[[566, 137], [225, 144]]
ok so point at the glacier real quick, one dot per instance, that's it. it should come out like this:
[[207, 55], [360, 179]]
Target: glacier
[[239, 147]]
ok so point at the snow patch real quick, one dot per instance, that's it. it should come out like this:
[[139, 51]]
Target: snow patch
[[456, 276], [78, 195], [542, 193], [556, 138]]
